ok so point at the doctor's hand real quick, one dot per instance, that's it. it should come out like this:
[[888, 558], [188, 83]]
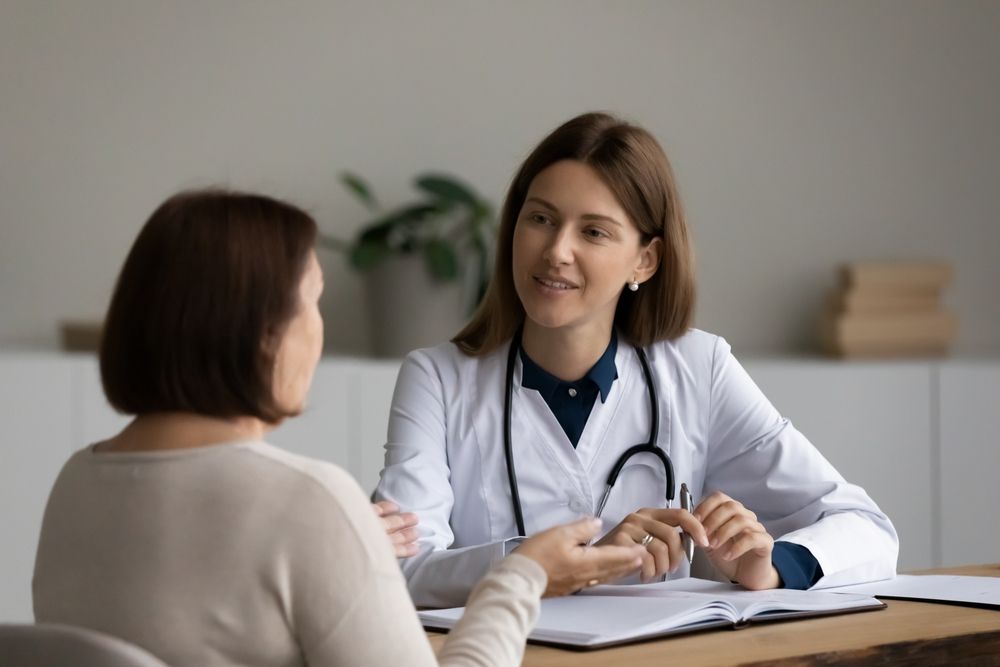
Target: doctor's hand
[[657, 531], [739, 545], [571, 564], [399, 526]]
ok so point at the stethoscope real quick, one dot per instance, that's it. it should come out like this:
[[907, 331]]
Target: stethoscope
[[648, 447]]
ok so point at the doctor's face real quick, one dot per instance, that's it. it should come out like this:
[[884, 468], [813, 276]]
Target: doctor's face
[[302, 343], [574, 250]]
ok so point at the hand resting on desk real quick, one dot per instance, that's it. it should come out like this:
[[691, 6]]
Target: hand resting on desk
[[739, 545]]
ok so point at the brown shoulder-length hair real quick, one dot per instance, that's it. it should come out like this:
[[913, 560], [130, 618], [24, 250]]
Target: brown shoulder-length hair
[[633, 165], [197, 313]]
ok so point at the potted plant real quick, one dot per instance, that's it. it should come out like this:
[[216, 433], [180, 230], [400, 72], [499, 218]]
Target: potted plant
[[426, 263]]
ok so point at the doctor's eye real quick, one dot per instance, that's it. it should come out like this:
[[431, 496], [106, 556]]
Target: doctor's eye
[[539, 218], [596, 233]]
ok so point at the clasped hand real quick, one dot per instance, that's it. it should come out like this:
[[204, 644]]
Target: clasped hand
[[399, 526], [736, 543]]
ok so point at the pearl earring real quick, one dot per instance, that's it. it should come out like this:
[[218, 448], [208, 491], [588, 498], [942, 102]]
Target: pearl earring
[[633, 286]]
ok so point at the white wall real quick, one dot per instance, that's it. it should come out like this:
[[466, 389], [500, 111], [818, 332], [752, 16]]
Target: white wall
[[803, 133]]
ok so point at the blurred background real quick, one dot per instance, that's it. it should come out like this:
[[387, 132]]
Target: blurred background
[[803, 134]]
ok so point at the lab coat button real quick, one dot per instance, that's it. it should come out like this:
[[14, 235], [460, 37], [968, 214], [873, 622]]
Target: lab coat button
[[577, 506]]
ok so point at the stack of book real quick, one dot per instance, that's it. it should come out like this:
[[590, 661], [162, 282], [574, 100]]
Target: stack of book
[[889, 309]]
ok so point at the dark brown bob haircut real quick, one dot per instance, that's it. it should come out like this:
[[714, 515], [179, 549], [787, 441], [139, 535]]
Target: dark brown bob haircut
[[204, 296], [633, 165]]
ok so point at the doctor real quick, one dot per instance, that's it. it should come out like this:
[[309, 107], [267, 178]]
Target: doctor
[[579, 369]]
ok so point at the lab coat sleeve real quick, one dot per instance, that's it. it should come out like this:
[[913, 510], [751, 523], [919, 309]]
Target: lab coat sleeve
[[760, 459], [417, 477]]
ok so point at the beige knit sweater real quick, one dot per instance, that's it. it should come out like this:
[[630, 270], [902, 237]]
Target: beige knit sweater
[[244, 554]]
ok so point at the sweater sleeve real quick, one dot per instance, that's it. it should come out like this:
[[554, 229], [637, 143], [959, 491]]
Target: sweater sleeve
[[502, 610], [354, 571]]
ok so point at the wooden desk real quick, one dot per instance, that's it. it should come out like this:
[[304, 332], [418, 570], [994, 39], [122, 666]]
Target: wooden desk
[[904, 633]]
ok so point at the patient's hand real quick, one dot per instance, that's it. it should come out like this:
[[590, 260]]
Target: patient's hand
[[571, 564], [399, 526]]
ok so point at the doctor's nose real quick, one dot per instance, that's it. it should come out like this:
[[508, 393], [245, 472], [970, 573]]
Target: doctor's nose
[[559, 249]]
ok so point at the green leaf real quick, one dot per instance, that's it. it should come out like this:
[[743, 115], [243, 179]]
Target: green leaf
[[418, 212], [355, 184], [485, 216], [442, 261], [377, 232], [380, 228], [448, 189], [366, 255]]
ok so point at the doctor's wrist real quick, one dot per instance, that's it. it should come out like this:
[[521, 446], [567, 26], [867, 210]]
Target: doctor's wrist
[[761, 581]]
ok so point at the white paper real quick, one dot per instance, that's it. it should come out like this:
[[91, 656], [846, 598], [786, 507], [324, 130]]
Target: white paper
[[937, 587]]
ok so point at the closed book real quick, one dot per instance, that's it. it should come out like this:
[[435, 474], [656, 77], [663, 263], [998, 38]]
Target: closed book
[[928, 276], [891, 350], [81, 336], [608, 615], [889, 335], [884, 301]]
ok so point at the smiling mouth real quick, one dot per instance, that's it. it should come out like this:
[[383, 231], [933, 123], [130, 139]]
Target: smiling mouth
[[553, 284]]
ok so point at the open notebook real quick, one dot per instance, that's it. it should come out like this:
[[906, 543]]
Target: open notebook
[[607, 615]]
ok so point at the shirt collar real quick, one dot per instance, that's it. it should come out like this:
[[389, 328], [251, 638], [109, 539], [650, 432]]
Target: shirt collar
[[603, 373]]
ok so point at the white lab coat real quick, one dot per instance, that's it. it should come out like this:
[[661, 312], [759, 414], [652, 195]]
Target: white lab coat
[[444, 460]]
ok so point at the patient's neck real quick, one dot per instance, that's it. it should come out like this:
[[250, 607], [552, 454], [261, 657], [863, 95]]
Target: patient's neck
[[182, 430]]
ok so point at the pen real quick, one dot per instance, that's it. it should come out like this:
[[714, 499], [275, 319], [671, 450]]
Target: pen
[[686, 541]]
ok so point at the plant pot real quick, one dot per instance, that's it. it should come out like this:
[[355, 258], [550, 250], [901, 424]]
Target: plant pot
[[408, 309]]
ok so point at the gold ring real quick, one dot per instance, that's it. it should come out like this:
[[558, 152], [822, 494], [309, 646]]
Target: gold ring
[[646, 540]]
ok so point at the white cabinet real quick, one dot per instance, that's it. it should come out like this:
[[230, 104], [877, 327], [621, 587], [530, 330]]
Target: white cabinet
[[375, 384], [969, 462], [324, 430], [346, 418], [95, 420], [873, 422], [920, 437], [38, 406]]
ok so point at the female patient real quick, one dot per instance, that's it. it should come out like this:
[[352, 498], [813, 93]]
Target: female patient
[[189, 535]]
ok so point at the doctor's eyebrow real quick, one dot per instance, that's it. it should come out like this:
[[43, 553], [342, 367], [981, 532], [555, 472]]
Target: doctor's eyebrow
[[585, 216]]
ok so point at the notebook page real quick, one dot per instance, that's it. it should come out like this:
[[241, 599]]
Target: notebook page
[[777, 601], [665, 588], [745, 604], [593, 620], [601, 619]]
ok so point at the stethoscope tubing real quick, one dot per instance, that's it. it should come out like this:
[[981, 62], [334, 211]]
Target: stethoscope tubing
[[649, 447]]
